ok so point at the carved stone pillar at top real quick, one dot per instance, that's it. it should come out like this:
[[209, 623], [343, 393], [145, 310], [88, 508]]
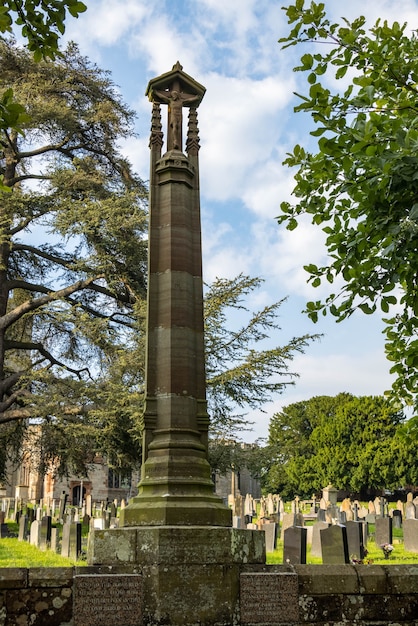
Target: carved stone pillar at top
[[176, 486]]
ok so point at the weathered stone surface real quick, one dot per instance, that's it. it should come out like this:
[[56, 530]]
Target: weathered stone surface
[[112, 546], [327, 579], [269, 598], [13, 577], [402, 578], [106, 600], [38, 607], [50, 576], [372, 579], [174, 544]]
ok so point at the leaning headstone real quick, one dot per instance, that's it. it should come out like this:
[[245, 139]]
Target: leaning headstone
[[410, 535], [294, 545], [316, 538], [334, 545], [270, 536], [35, 533], [355, 540], [383, 531]]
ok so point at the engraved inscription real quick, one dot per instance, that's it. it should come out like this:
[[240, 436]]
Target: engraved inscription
[[269, 598], [106, 600]]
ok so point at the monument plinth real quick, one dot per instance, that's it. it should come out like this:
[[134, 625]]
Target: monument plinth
[[177, 529]]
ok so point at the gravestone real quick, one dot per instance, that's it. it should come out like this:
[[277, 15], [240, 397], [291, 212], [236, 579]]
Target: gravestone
[[270, 529], [410, 511], [355, 540], [99, 523], [316, 538], [294, 545], [75, 540], [106, 600], [410, 535], [23, 528], [362, 512], [321, 516], [63, 504], [370, 518], [65, 542], [54, 539], [288, 520], [45, 532], [342, 517], [383, 530], [329, 494], [334, 545], [89, 509], [35, 533], [397, 518]]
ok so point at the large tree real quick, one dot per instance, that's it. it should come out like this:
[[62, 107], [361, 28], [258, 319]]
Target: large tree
[[360, 185], [72, 241], [352, 442], [242, 373], [41, 22]]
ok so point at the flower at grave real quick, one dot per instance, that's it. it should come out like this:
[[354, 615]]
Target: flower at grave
[[387, 549]]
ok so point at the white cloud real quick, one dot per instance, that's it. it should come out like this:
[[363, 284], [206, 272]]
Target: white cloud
[[329, 374], [240, 121]]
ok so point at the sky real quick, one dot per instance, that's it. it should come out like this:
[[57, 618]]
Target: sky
[[247, 124]]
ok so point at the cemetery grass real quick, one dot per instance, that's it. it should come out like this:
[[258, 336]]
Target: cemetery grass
[[15, 553], [374, 556]]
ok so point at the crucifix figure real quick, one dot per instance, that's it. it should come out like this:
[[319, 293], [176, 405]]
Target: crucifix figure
[[175, 99]]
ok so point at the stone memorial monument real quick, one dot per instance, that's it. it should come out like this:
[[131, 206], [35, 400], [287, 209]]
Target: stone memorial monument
[[177, 530]]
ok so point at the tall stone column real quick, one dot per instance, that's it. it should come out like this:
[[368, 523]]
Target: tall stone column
[[176, 486], [177, 532]]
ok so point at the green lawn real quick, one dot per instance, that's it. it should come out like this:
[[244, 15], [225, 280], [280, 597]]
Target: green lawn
[[14, 553], [374, 553]]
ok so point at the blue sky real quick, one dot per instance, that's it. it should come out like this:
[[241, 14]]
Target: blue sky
[[247, 125]]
